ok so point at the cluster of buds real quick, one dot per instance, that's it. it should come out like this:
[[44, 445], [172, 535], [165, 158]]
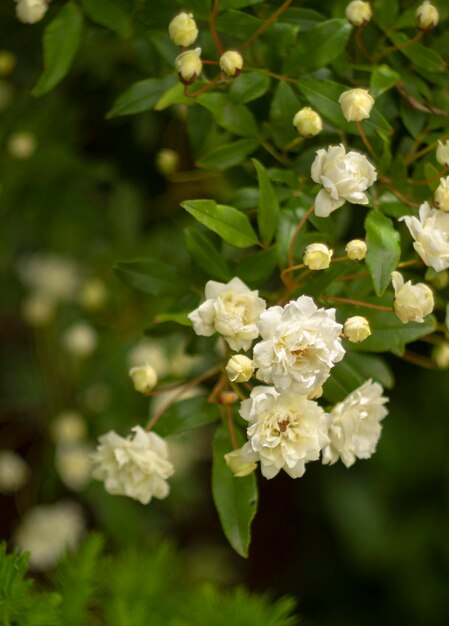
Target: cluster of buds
[[359, 13]]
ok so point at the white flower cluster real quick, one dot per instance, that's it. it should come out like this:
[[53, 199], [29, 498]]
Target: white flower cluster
[[299, 345]]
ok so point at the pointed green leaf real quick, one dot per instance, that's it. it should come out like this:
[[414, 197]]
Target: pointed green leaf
[[422, 56], [228, 155], [268, 213], [256, 268], [383, 78], [151, 276], [384, 249], [206, 255], [235, 118], [186, 415], [62, 38], [109, 13], [249, 86], [142, 96], [353, 371]]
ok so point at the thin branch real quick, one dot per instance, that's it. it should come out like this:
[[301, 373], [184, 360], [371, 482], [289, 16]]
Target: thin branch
[[213, 29], [263, 27]]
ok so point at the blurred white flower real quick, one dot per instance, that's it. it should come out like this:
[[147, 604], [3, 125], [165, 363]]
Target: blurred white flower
[[80, 339], [31, 11], [356, 104], [50, 275], [48, 531], [232, 310], [411, 302], [356, 329], [137, 467], [431, 235], [14, 471], [441, 197], [300, 344], [22, 145], [344, 177], [38, 309], [285, 430], [356, 249], [73, 463], [150, 351], [308, 122], [355, 427], [189, 65], [358, 12], [182, 29], [317, 256], [427, 16], [68, 427], [231, 63], [93, 294]]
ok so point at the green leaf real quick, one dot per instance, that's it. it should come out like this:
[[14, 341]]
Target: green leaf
[[238, 4], [249, 86], [176, 317], [186, 415], [423, 57], [353, 371], [232, 225], [268, 213], [318, 46], [256, 268], [109, 13], [235, 498], [284, 105], [384, 249], [228, 155], [62, 38], [141, 96], [206, 255], [385, 12], [235, 118], [237, 23], [383, 78], [151, 276], [173, 95]]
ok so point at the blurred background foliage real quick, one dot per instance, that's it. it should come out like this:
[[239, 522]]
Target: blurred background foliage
[[369, 546]]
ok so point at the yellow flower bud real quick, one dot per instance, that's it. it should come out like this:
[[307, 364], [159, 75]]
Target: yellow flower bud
[[93, 295], [411, 302], [427, 16], [356, 249], [7, 62], [239, 368], [317, 256], [358, 12], [308, 122], [440, 355], [183, 30], [144, 378], [231, 63], [441, 197], [189, 65], [238, 465], [167, 161], [22, 145], [442, 153], [356, 104], [356, 329]]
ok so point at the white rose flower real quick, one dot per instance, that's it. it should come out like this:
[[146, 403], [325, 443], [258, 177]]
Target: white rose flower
[[356, 104], [344, 177], [73, 463], [239, 368], [427, 16], [31, 11], [14, 471], [301, 343], [308, 122], [137, 467], [411, 302], [356, 249], [232, 310], [231, 63], [68, 427], [242, 461], [182, 30], [355, 427], [22, 145], [441, 197], [317, 256], [442, 153], [285, 430], [189, 65], [80, 339], [48, 531], [144, 378], [358, 12], [356, 329], [431, 235]]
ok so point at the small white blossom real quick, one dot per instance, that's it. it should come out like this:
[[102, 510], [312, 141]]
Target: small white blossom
[[80, 339], [358, 12], [285, 430], [242, 462], [442, 153], [31, 11], [137, 467], [149, 351], [232, 310], [427, 16], [189, 65], [144, 378], [73, 463], [344, 177], [14, 471], [317, 256], [182, 30], [300, 344], [239, 368], [356, 329], [22, 145], [431, 235], [411, 302], [356, 249], [68, 427], [356, 104], [355, 427], [441, 197], [440, 355], [48, 531], [308, 122], [231, 63]]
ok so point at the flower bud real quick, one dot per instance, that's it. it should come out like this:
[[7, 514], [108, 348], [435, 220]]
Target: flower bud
[[238, 464], [356, 249], [440, 355], [356, 104], [427, 16], [22, 145], [231, 63], [317, 256], [93, 295], [80, 339], [144, 378], [441, 197], [442, 153], [31, 11], [358, 12], [182, 30], [7, 62], [189, 65], [68, 427], [38, 310], [356, 329], [239, 368], [167, 161], [14, 472], [308, 122], [411, 302], [228, 397]]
